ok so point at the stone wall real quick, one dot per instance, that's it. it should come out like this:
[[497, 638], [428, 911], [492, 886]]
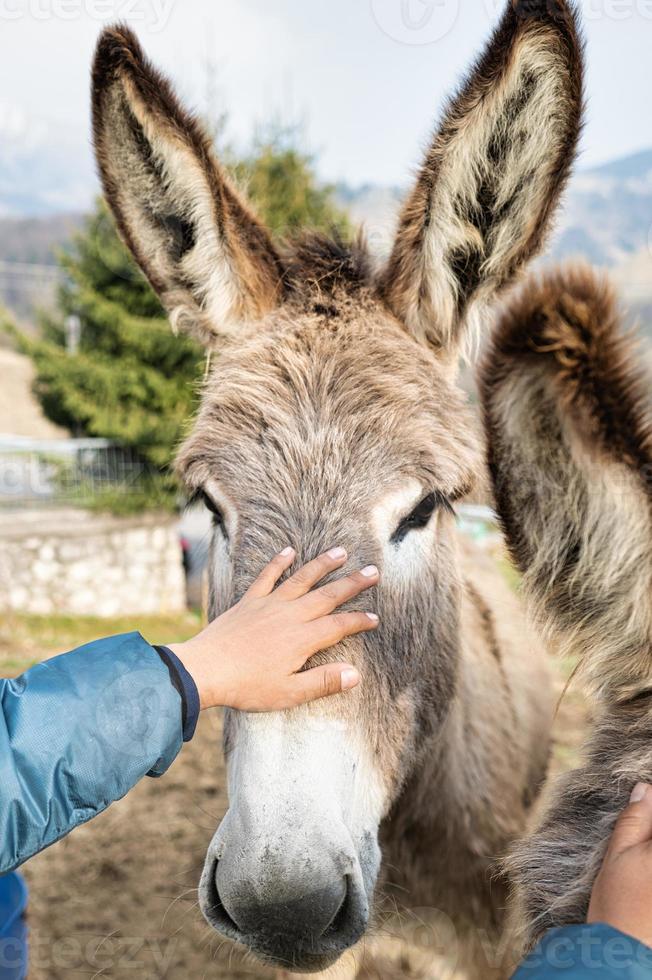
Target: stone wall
[[77, 562]]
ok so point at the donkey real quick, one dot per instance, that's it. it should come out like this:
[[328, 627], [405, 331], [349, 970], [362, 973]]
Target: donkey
[[333, 415], [570, 435]]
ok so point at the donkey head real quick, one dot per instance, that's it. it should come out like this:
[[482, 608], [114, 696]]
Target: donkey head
[[331, 417]]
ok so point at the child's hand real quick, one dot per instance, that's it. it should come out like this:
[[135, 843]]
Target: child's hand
[[249, 657], [622, 894]]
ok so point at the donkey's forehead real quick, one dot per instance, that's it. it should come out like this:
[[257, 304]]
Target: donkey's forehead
[[348, 401]]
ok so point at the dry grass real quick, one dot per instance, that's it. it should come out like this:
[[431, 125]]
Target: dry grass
[[24, 639]]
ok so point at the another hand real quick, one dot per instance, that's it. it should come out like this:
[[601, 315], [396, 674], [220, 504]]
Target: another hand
[[622, 893], [250, 657]]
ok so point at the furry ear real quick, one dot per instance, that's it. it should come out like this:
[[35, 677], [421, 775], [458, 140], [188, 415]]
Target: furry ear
[[492, 176], [570, 455], [553, 870], [208, 257]]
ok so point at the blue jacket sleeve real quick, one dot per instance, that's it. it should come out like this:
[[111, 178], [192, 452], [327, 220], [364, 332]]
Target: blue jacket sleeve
[[76, 733], [587, 952]]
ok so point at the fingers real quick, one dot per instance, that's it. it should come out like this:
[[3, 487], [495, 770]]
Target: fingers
[[325, 599], [322, 682], [634, 825], [330, 630], [303, 580], [270, 574], [321, 601]]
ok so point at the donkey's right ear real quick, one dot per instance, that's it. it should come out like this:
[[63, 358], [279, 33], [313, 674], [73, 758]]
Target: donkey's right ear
[[492, 177], [569, 439], [207, 256]]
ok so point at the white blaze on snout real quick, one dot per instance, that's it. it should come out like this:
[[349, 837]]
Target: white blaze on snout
[[303, 794], [301, 760]]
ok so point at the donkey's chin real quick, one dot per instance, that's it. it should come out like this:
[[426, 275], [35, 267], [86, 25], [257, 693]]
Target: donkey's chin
[[305, 928]]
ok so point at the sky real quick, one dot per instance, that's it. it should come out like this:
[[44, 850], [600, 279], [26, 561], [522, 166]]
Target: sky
[[367, 77]]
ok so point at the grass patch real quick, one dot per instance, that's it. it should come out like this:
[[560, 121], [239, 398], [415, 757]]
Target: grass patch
[[509, 572], [27, 639]]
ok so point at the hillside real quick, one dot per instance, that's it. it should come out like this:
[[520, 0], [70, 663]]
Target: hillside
[[20, 413], [606, 218], [608, 212]]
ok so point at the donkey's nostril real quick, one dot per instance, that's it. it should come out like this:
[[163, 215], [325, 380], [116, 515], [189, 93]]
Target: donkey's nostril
[[299, 917], [282, 918], [218, 914], [336, 901], [339, 923]]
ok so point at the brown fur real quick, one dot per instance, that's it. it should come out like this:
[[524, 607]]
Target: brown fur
[[332, 392], [570, 440], [443, 719]]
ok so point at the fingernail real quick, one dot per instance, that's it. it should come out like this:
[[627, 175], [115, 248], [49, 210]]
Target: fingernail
[[639, 791], [372, 616], [349, 678], [287, 551], [337, 553], [369, 571]]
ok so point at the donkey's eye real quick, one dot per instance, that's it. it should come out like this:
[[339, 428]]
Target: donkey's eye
[[202, 497], [420, 516]]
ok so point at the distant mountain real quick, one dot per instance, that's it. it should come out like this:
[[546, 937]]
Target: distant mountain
[[632, 166], [37, 239], [37, 187], [375, 208], [28, 255], [606, 218], [607, 215], [44, 168], [46, 182]]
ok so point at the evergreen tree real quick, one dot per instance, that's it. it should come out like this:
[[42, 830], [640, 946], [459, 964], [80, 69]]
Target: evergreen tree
[[132, 380], [280, 179]]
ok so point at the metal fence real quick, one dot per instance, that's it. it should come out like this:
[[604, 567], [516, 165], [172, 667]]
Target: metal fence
[[27, 287], [67, 471]]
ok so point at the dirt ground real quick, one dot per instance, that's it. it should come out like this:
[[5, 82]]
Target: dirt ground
[[20, 412], [117, 898]]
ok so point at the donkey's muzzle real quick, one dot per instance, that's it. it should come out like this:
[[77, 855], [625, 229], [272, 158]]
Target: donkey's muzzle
[[301, 919], [292, 868]]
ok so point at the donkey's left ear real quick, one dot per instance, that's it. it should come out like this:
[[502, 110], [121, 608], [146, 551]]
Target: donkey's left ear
[[485, 195], [205, 253]]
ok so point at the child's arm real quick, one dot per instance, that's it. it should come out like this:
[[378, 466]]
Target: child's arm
[[79, 730]]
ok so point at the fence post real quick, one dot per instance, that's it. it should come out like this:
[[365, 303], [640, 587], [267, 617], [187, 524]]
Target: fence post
[[72, 325]]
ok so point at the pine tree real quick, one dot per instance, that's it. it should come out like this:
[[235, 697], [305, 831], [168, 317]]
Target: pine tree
[[131, 380], [281, 181]]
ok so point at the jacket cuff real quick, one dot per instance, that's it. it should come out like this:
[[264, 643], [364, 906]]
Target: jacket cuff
[[595, 951], [185, 685]]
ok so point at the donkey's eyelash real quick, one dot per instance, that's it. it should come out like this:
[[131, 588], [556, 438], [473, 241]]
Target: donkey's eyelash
[[420, 515], [447, 504], [201, 497]]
